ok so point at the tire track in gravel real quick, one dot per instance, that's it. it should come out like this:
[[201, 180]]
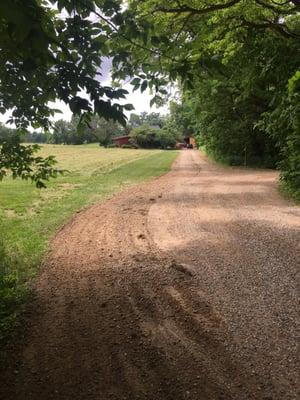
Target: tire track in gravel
[[182, 288]]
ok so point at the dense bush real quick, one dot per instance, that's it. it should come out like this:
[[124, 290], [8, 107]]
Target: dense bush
[[111, 146], [290, 166], [150, 137], [246, 119]]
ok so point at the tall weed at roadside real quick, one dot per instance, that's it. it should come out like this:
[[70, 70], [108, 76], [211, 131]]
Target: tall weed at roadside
[[13, 291]]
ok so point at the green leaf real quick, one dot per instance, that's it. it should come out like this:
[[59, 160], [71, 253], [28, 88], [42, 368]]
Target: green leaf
[[144, 86], [135, 81], [128, 107]]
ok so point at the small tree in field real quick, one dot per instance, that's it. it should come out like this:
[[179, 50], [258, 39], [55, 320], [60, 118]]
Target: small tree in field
[[103, 131]]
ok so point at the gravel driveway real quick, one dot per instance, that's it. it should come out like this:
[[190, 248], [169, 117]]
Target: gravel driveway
[[182, 288]]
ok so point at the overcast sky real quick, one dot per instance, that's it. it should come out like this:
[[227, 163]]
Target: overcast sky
[[140, 101]]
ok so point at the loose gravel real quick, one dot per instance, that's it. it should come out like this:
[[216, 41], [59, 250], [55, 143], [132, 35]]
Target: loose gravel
[[184, 288]]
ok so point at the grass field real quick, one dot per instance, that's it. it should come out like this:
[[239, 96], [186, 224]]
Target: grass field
[[30, 216]]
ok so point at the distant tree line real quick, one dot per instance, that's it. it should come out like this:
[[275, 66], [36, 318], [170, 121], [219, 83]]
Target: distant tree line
[[146, 130], [98, 130], [66, 132]]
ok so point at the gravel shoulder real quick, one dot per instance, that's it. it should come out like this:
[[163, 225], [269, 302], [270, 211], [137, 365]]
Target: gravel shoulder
[[182, 288]]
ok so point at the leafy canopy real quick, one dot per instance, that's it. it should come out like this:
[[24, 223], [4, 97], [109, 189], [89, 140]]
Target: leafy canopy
[[53, 50]]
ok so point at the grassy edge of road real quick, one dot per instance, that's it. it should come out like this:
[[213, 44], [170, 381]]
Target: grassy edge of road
[[288, 193], [24, 240]]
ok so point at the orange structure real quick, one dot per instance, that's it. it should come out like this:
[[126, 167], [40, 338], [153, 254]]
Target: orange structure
[[121, 140]]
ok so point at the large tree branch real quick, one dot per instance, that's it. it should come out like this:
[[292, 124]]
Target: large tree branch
[[277, 27], [134, 43], [277, 8], [295, 2], [187, 9], [184, 8]]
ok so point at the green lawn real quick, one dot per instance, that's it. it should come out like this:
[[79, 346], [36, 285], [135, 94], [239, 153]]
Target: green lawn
[[30, 216]]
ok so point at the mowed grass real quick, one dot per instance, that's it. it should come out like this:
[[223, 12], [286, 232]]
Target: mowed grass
[[30, 216]]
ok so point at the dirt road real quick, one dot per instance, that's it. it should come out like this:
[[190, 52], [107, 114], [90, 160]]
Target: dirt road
[[184, 288]]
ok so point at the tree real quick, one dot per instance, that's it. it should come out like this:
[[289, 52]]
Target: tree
[[36, 137], [62, 132], [98, 131], [23, 162], [135, 120], [53, 51], [181, 120], [103, 131], [145, 136], [233, 61], [6, 133], [290, 164], [152, 119], [150, 137], [181, 35], [166, 138]]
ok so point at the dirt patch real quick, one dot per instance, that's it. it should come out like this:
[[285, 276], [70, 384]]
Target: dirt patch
[[9, 213], [190, 296]]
